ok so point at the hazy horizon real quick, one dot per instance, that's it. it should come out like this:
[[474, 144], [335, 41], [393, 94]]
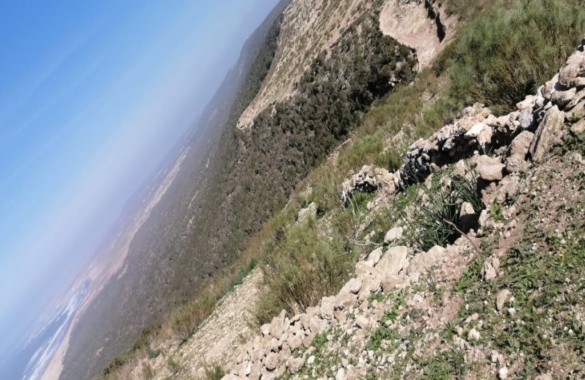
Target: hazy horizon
[[93, 97]]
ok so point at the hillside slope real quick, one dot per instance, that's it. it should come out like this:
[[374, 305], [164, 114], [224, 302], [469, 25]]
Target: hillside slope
[[420, 264], [503, 299]]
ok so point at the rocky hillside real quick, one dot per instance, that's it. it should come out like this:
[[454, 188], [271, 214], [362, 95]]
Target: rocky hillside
[[410, 236], [503, 299]]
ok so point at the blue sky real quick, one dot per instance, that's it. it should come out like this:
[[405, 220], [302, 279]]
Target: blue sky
[[93, 94]]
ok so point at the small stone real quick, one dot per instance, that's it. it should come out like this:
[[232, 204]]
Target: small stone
[[489, 272], [563, 98], [473, 335], [311, 360], [327, 306], [490, 168], [271, 361], [362, 322], [503, 373], [547, 134], [495, 356], [248, 369], [354, 285], [340, 374], [295, 364], [501, 299], [544, 376]]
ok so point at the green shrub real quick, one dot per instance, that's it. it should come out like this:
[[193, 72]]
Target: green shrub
[[436, 221]]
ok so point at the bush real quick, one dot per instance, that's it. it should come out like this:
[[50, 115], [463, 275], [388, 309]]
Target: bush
[[436, 221], [504, 56]]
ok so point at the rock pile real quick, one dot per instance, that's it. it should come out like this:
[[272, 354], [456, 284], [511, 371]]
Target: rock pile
[[500, 148], [529, 132], [368, 180], [269, 355]]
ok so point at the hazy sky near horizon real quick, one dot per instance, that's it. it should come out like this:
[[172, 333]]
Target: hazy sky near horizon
[[92, 96]]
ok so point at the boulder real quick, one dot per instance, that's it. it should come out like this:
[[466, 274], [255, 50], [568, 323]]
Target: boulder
[[327, 306], [490, 168], [467, 216], [393, 235], [528, 103], [394, 282], [307, 213], [516, 161], [574, 69], [344, 300], [375, 256], [265, 329], [576, 99], [578, 128], [548, 133], [295, 364], [271, 361], [354, 285], [525, 119], [424, 261], [295, 342], [391, 263], [278, 325], [362, 322], [550, 87], [563, 98], [507, 189], [364, 268], [521, 143], [576, 113]]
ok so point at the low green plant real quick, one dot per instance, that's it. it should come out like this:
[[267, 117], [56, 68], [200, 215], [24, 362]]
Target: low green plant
[[496, 212], [446, 365], [214, 373], [382, 333]]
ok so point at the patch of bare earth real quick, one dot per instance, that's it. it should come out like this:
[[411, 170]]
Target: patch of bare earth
[[216, 342]]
